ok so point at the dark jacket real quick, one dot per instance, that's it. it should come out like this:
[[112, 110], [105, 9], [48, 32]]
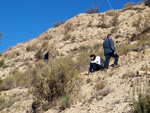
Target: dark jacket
[[108, 46], [46, 56]]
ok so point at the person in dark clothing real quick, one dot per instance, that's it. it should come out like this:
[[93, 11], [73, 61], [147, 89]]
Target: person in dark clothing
[[97, 63], [109, 51], [46, 57]]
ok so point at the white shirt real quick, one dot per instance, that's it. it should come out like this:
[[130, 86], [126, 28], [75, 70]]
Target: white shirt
[[97, 60]]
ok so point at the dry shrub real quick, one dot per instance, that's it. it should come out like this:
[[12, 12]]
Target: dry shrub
[[55, 80], [67, 37], [68, 26], [110, 13], [93, 10], [114, 30], [45, 45], [140, 98], [129, 5], [83, 48], [17, 79], [100, 85], [39, 54], [57, 24], [97, 46], [32, 47], [83, 60]]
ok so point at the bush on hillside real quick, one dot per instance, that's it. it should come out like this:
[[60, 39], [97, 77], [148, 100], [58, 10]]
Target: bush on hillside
[[140, 98], [147, 3], [32, 47], [59, 23], [97, 46], [83, 48], [93, 10], [55, 80], [1, 63], [129, 5]]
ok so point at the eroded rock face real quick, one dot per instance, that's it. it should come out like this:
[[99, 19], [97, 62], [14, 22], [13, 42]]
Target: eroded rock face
[[86, 29]]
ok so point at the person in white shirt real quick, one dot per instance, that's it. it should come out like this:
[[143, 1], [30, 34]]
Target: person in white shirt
[[96, 64]]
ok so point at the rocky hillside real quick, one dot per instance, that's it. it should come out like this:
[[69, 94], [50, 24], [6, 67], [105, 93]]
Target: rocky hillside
[[80, 33]]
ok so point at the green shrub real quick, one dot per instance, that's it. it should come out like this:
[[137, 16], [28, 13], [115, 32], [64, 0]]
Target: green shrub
[[2, 63], [2, 99], [129, 5], [54, 80], [147, 3], [88, 80], [83, 48], [0, 54], [6, 84], [65, 102], [140, 98], [97, 46], [17, 79]]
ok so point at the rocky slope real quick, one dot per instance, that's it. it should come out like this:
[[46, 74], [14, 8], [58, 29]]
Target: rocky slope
[[85, 30]]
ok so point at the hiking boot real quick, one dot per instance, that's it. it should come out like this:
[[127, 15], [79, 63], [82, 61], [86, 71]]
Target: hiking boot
[[116, 66]]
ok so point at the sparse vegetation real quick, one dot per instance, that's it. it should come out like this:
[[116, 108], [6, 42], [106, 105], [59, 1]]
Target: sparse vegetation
[[88, 80], [2, 99], [100, 85], [140, 98], [55, 80], [129, 5], [67, 37], [97, 46], [83, 48], [1, 63], [32, 47], [65, 102], [93, 10], [59, 23]]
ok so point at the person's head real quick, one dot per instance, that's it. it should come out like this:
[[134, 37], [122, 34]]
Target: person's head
[[92, 56], [109, 36]]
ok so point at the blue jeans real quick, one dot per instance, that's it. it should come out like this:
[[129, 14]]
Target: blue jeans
[[94, 67], [108, 56]]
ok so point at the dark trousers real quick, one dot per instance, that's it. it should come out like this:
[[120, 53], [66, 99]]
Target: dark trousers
[[108, 56], [94, 67]]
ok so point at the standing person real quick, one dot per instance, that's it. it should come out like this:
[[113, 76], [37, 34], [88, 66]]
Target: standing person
[[97, 63], [109, 51], [46, 57]]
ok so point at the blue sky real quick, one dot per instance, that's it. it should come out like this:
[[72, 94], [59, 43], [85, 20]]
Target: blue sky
[[22, 20]]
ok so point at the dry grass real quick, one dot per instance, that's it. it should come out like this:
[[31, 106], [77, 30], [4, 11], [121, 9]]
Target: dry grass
[[54, 80], [100, 85], [32, 47], [129, 5], [140, 98]]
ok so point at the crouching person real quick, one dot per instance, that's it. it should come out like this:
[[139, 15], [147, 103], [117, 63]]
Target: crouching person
[[97, 63]]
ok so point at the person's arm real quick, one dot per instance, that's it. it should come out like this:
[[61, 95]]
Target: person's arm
[[112, 45]]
